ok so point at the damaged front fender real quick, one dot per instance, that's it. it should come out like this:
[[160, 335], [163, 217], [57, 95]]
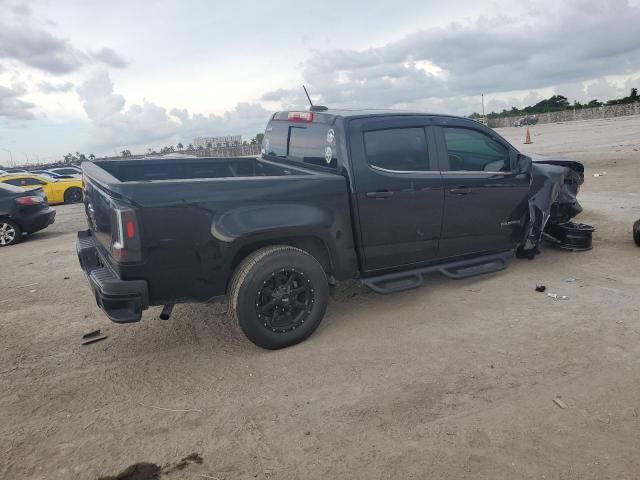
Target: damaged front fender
[[555, 183]]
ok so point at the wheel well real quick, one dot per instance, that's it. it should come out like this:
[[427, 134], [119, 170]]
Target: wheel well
[[312, 245], [6, 217]]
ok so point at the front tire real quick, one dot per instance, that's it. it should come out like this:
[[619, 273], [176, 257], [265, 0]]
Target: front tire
[[636, 232], [10, 233], [278, 296], [73, 195]]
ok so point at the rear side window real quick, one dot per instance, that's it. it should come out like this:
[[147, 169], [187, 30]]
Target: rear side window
[[473, 151], [7, 189], [397, 149], [21, 182], [312, 144]]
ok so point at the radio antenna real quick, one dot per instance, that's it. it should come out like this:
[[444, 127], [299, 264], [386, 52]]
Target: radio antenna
[[308, 97]]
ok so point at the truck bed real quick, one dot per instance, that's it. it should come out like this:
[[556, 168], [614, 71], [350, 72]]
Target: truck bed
[[183, 169], [195, 216]]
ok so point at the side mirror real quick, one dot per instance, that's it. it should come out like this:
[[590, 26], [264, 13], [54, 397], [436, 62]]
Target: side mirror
[[523, 164]]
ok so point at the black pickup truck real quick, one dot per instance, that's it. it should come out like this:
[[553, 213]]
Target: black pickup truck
[[384, 197]]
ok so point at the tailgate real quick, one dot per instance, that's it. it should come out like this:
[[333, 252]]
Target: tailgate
[[113, 223]]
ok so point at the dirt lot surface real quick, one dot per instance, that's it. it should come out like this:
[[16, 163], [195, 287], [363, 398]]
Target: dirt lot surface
[[454, 380]]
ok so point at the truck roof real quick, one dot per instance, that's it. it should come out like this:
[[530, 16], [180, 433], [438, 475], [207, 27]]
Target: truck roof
[[369, 112]]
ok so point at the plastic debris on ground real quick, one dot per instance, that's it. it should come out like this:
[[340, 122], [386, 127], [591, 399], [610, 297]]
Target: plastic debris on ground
[[557, 296]]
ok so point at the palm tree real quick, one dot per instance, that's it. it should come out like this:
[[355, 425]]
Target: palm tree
[[209, 145], [92, 157], [190, 147], [179, 146]]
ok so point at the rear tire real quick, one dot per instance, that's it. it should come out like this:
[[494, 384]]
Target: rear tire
[[278, 296], [10, 233], [73, 195], [636, 232]]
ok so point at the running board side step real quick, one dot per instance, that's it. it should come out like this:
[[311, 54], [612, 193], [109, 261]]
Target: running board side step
[[409, 279]]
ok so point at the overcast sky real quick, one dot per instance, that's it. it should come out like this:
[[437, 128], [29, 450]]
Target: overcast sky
[[98, 77]]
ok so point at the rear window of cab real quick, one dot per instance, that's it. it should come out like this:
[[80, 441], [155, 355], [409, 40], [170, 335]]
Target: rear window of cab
[[309, 143]]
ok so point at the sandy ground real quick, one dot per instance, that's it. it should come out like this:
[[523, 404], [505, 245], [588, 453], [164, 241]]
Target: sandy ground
[[454, 380]]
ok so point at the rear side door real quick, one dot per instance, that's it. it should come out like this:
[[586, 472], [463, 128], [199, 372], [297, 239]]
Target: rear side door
[[485, 200], [397, 190]]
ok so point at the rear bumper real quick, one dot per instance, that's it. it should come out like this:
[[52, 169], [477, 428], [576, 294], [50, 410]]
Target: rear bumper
[[122, 300], [38, 220]]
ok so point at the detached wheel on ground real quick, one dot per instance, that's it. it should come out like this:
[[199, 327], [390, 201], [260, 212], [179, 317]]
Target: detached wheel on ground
[[278, 296], [10, 233], [73, 195], [636, 232]]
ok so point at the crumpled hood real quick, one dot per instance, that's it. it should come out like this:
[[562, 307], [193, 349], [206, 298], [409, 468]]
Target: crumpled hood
[[555, 183]]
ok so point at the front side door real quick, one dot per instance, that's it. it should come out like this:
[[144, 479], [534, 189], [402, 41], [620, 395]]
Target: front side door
[[485, 200], [397, 191]]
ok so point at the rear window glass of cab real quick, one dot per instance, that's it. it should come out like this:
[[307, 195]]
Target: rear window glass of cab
[[309, 143]]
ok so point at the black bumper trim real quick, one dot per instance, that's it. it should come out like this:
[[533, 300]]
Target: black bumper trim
[[122, 300]]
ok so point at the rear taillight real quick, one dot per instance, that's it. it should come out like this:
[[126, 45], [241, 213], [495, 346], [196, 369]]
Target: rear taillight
[[30, 200], [125, 244], [300, 117]]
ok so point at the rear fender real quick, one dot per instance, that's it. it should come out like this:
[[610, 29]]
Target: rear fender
[[245, 229]]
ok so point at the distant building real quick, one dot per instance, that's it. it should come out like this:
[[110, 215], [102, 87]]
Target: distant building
[[226, 141]]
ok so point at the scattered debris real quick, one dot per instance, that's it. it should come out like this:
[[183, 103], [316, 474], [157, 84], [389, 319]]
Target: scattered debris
[[558, 401], [27, 285], [33, 291], [557, 296], [209, 476], [570, 280], [91, 334], [153, 471], [66, 278], [308, 432], [605, 420], [170, 409], [600, 174], [94, 338], [634, 412], [540, 288], [138, 471]]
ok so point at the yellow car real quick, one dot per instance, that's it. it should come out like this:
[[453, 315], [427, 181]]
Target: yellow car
[[57, 191]]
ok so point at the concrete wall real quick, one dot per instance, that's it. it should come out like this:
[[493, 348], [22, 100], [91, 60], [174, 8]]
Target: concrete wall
[[606, 111], [237, 151]]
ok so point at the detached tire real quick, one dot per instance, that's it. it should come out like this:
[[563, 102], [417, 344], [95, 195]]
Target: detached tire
[[73, 195], [10, 233], [278, 296], [636, 232]]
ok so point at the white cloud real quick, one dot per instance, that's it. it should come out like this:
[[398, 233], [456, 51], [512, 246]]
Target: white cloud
[[570, 42], [117, 125], [25, 40], [12, 106]]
